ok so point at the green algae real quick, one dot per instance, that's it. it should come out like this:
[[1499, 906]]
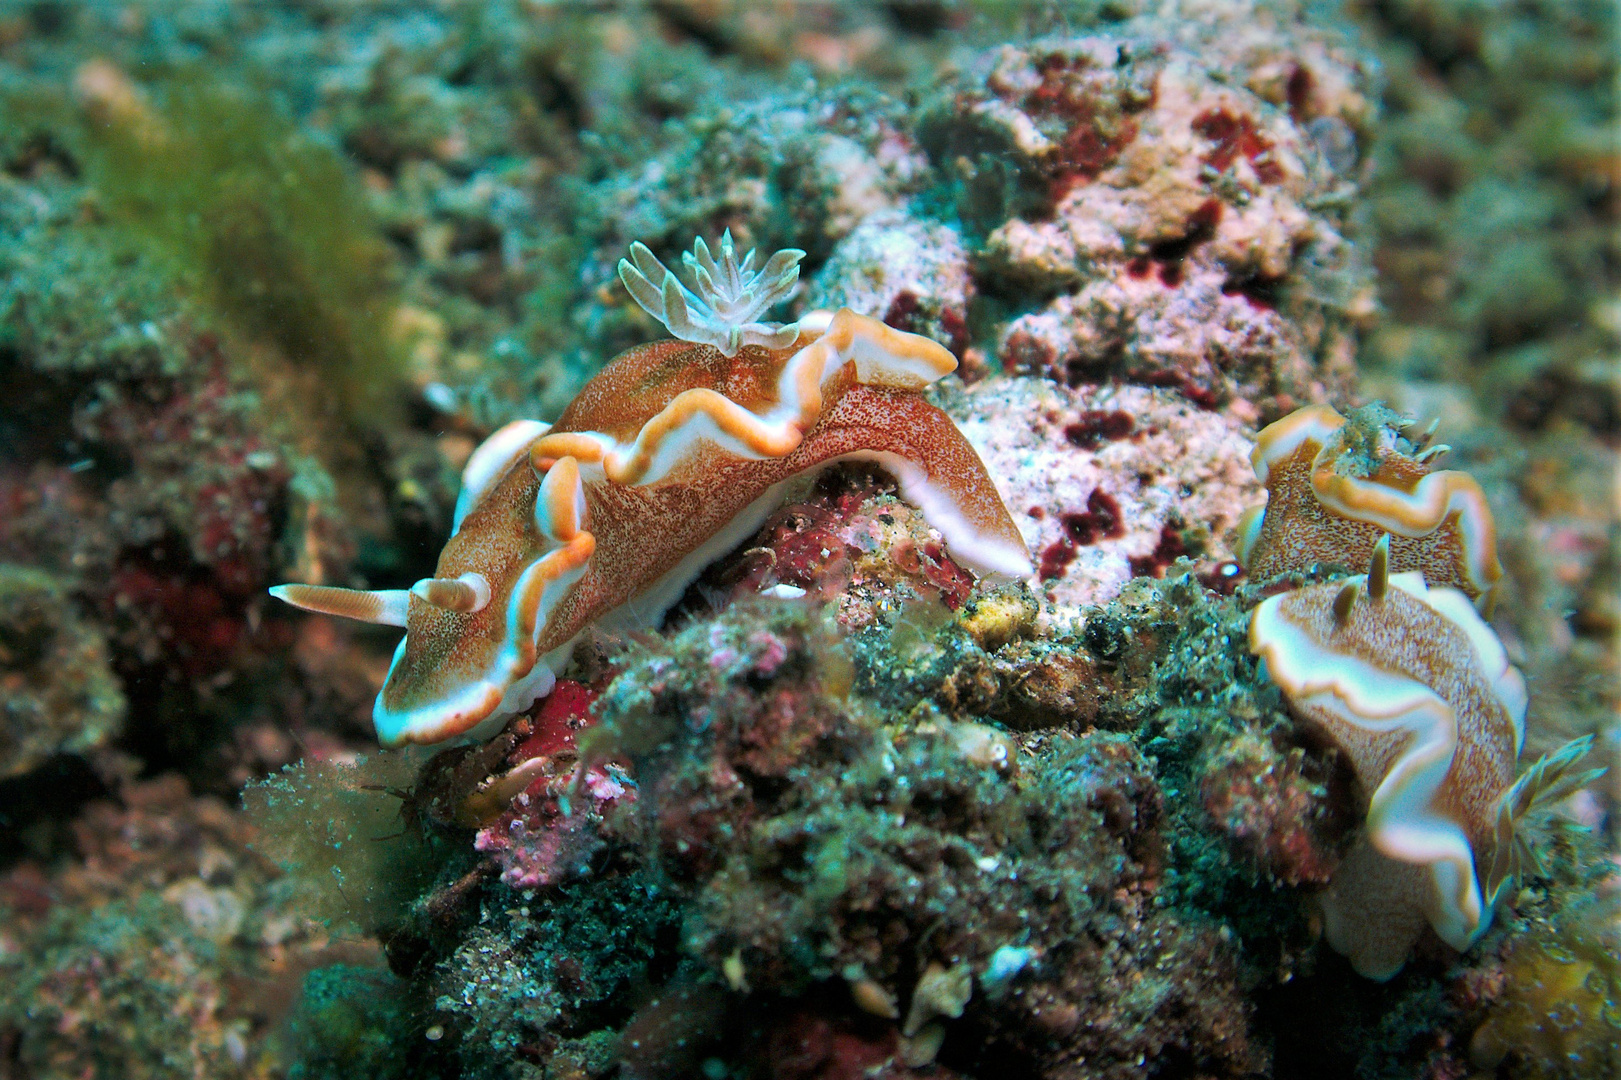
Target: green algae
[[1493, 204], [353, 1021], [353, 858], [865, 840], [70, 304], [572, 963], [60, 695], [264, 224]]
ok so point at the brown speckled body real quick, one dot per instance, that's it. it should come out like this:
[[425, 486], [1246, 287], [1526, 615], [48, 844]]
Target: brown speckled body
[[644, 531], [1416, 691], [1299, 531]]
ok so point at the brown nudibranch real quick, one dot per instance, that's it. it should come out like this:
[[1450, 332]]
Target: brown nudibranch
[[673, 454], [1413, 687], [1336, 485]]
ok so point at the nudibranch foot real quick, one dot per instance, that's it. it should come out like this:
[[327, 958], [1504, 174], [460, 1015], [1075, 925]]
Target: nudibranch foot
[[673, 454], [1375, 910]]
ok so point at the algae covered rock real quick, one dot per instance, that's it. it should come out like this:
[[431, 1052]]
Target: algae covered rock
[[162, 950], [58, 693], [1493, 205], [1112, 483], [816, 851], [1171, 209]]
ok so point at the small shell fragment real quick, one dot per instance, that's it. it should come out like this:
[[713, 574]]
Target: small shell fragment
[[921, 1049], [986, 746], [732, 968], [940, 992], [870, 997]]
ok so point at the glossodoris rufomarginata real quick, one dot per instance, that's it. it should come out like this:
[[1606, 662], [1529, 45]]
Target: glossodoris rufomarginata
[[672, 455], [1415, 689], [1336, 485]]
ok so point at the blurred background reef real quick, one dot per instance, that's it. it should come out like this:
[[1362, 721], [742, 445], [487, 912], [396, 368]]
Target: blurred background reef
[[269, 272]]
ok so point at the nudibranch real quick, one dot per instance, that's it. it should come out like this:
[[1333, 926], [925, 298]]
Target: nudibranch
[[1416, 690], [672, 455], [1335, 486]]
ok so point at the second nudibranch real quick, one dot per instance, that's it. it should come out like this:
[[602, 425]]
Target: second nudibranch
[[672, 455], [1336, 485]]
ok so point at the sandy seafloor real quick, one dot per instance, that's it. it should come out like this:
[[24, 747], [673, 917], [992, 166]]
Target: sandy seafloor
[[269, 274]]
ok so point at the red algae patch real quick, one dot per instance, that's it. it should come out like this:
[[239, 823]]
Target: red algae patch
[[1096, 112], [1173, 228], [1111, 484], [1234, 137]]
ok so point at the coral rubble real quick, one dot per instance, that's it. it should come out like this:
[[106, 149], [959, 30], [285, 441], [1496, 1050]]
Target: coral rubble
[[1109, 484], [60, 694], [1181, 220], [162, 951]]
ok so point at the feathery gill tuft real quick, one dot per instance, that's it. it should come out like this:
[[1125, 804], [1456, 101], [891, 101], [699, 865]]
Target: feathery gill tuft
[[731, 296], [1549, 779]]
